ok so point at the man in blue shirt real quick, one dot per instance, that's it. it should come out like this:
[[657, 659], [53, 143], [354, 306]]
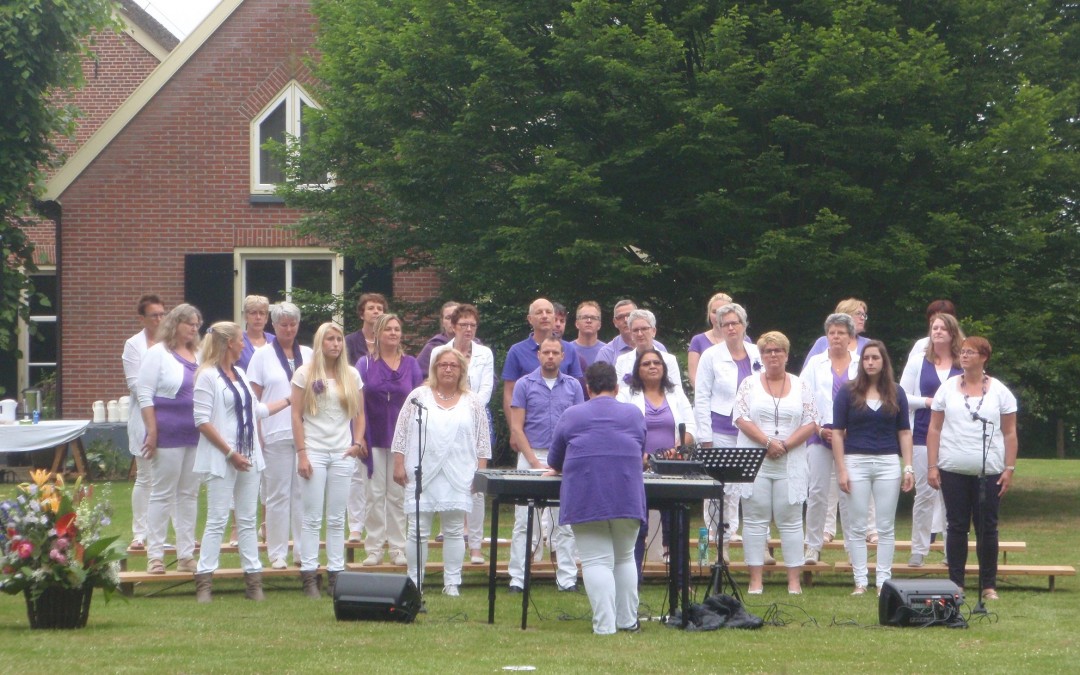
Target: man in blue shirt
[[537, 402], [623, 342], [522, 357]]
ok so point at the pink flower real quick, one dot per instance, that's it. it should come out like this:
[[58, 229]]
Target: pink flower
[[61, 544], [25, 549], [57, 556]]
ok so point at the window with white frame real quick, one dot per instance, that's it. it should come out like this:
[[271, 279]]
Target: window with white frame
[[277, 273], [39, 339], [283, 118]]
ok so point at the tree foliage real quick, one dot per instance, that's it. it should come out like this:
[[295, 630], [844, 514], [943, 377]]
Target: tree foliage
[[41, 47], [791, 153]]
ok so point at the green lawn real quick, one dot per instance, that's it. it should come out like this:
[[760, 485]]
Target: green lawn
[[824, 630]]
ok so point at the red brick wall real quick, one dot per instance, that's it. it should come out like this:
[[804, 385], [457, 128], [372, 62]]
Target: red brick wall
[[176, 181]]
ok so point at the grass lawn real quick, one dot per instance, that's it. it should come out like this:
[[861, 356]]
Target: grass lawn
[[824, 630]]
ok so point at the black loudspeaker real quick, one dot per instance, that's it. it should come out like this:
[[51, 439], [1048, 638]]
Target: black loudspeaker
[[363, 596], [919, 602]]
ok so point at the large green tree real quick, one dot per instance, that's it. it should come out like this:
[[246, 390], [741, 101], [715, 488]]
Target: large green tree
[[42, 43], [791, 153]]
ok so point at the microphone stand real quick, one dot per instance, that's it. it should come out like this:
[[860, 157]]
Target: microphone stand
[[980, 524], [420, 566]]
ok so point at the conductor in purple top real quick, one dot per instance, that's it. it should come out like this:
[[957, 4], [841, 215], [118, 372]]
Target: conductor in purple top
[[599, 446]]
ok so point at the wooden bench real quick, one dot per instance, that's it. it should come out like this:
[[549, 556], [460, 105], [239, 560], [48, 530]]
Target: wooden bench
[[1049, 571], [1005, 547]]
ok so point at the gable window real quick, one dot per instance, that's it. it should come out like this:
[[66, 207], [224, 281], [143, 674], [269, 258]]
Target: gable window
[[280, 120]]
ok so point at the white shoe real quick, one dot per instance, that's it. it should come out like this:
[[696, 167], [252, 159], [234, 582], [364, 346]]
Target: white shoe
[[355, 537], [372, 559], [811, 556], [398, 558], [279, 564], [769, 560], [451, 590], [477, 560]]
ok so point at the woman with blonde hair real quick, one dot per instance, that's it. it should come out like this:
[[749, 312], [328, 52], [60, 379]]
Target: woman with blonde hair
[[328, 431], [166, 386], [229, 454], [389, 375], [256, 314]]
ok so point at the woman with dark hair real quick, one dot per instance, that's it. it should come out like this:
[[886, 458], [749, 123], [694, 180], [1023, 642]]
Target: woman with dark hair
[[924, 373], [870, 428], [229, 455], [598, 447], [971, 448], [665, 407]]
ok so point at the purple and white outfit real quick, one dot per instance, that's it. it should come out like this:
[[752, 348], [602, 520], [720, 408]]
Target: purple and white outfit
[[166, 383], [455, 439], [781, 486], [231, 408], [598, 446], [718, 378], [272, 369], [624, 366], [249, 349], [328, 434]]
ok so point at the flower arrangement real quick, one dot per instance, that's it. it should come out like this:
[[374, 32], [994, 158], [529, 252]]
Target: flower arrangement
[[51, 537]]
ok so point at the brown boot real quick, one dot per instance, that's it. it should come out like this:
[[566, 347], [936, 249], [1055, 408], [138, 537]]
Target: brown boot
[[331, 583], [253, 589], [203, 583], [311, 584]]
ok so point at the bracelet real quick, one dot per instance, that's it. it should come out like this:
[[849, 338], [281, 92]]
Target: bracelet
[[1010, 468], [909, 469], [229, 455], [932, 466]]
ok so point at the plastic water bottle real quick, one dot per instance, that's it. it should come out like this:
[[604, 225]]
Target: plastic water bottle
[[703, 546], [37, 416]]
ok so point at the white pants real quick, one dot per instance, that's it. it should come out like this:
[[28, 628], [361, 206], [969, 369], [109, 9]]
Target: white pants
[[609, 571], [140, 497], [174, 492], [329, 486], [358, 499], [769, 502], [385, 505], [475, 520], [877, 476], [242, 489], [281, 495], [731, 499], [453, 527], [928, 511], [822, 478], [562, 540]]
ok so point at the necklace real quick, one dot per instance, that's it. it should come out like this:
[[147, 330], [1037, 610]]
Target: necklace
[[444, 397], [776, 403], [963, 385]]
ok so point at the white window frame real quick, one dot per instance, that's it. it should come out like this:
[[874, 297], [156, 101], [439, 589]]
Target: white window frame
[[241, 255], [293, 94], [24, 364]]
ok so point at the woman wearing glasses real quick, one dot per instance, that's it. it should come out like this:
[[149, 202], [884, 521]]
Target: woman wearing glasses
[[972, 433], [256, 314]]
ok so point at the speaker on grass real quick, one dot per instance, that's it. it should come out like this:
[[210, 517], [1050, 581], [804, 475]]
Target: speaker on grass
[[366, 596], [919, 602]]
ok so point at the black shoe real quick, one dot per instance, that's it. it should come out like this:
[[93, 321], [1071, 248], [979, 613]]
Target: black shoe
[[515, 590], [636, 628], [569, 589]]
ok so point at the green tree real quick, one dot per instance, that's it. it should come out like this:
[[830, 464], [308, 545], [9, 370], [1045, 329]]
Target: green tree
[[42, 44]]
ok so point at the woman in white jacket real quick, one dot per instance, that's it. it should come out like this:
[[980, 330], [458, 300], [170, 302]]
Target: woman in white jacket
[[229, 454], [665, 408]]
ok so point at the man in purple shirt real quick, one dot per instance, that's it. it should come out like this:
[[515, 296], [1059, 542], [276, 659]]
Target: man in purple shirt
[[537, 402], [521, 359], [438, 339], [623, 342], [587, 322]]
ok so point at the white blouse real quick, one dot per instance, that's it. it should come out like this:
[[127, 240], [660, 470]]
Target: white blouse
[[960, 450]]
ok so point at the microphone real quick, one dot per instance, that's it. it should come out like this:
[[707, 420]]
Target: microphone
[[976, 417], [416, 402]]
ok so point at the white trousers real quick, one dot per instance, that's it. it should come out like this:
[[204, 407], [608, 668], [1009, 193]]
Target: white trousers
[[453, 528], [281, 495], [385, 505], [877, 476], [140, 497], [358, 499], [475, 520], [329, 487], [239, 488], [174, 492], [609, 571], [562, 540], [769, 502], [821, 478], [928, 510], [732, 499]]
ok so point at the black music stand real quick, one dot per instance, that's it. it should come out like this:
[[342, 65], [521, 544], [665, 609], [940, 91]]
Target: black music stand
[[727, 465]]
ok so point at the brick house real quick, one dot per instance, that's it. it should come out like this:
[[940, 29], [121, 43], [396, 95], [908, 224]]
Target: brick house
[[172, 194]]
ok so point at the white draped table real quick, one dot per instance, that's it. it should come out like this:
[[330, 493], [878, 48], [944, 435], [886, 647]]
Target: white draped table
[[63, 435]]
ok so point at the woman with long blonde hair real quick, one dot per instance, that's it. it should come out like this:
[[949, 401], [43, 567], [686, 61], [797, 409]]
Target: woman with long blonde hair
[[328, 431], [229, 454]]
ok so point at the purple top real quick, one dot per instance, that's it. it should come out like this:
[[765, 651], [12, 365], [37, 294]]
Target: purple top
[[617, 347], [700, 343], [723, 424], [176, 416], [822, 345], [869, 431], [544, 407], [424, 358], [249, 349], [928, 386], [589, 354], [385, 391], [659, 426], [355, 346], [523, 358], [598, 447]]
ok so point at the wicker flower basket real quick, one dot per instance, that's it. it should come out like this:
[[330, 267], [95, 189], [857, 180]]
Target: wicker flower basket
[[59, 607]]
